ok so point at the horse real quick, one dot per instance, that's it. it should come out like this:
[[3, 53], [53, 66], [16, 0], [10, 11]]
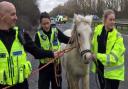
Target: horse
[[76, 62]]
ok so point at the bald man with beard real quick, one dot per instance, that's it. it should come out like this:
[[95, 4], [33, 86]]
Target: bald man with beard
[[14, 66]]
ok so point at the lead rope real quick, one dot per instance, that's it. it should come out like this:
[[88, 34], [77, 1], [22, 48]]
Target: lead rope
[[57, 72]]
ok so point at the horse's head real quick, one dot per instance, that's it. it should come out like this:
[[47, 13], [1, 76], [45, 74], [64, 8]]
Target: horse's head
[[83, 31]]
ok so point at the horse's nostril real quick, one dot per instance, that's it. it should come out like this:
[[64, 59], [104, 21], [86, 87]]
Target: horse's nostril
[[85, 59]]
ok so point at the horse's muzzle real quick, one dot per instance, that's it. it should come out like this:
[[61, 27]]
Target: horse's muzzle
[[86, 54]]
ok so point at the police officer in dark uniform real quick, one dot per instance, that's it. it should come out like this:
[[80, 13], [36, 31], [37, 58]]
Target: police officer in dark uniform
[[49, 37]]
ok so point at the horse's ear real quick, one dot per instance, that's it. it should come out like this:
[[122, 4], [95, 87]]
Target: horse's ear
[[89, 19]]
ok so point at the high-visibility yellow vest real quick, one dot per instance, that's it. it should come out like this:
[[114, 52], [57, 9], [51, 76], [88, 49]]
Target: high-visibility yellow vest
[[113, 59], [52, 44], [14, 67]]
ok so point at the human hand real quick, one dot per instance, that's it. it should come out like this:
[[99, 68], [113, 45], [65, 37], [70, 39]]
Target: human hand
[[58, 54]]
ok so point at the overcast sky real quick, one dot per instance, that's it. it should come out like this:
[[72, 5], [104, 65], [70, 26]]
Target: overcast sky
[[48, 5]]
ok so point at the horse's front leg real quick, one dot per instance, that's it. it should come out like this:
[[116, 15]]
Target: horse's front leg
[[85, 80], [73, 83]]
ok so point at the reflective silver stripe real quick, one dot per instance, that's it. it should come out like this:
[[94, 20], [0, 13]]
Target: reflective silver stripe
[[113, 68], [114, 55], [108, 59]]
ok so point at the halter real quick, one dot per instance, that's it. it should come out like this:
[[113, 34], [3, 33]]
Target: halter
[[85, 51]]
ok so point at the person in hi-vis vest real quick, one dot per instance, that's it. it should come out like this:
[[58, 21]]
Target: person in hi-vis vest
[[14, 43], [49, 37], [108, 48]]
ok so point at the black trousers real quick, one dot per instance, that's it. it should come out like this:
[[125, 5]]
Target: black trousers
[[106, 83], [23, 85], [47, 76]]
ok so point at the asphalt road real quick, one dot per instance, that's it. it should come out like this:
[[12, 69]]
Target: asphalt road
[[33, 80]]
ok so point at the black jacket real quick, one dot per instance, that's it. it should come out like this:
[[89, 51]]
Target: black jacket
[[102, 40], [8, 36]]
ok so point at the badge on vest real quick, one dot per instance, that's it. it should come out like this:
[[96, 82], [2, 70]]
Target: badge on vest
[[44, 37], [55, 42], [17, 53]]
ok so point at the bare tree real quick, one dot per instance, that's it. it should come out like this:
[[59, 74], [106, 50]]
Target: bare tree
[[94, 7]]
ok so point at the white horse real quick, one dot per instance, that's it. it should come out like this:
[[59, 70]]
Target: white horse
[[76, 62]]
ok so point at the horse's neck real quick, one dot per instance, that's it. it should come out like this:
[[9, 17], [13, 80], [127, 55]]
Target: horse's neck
[[72, 45], [75, 48]]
